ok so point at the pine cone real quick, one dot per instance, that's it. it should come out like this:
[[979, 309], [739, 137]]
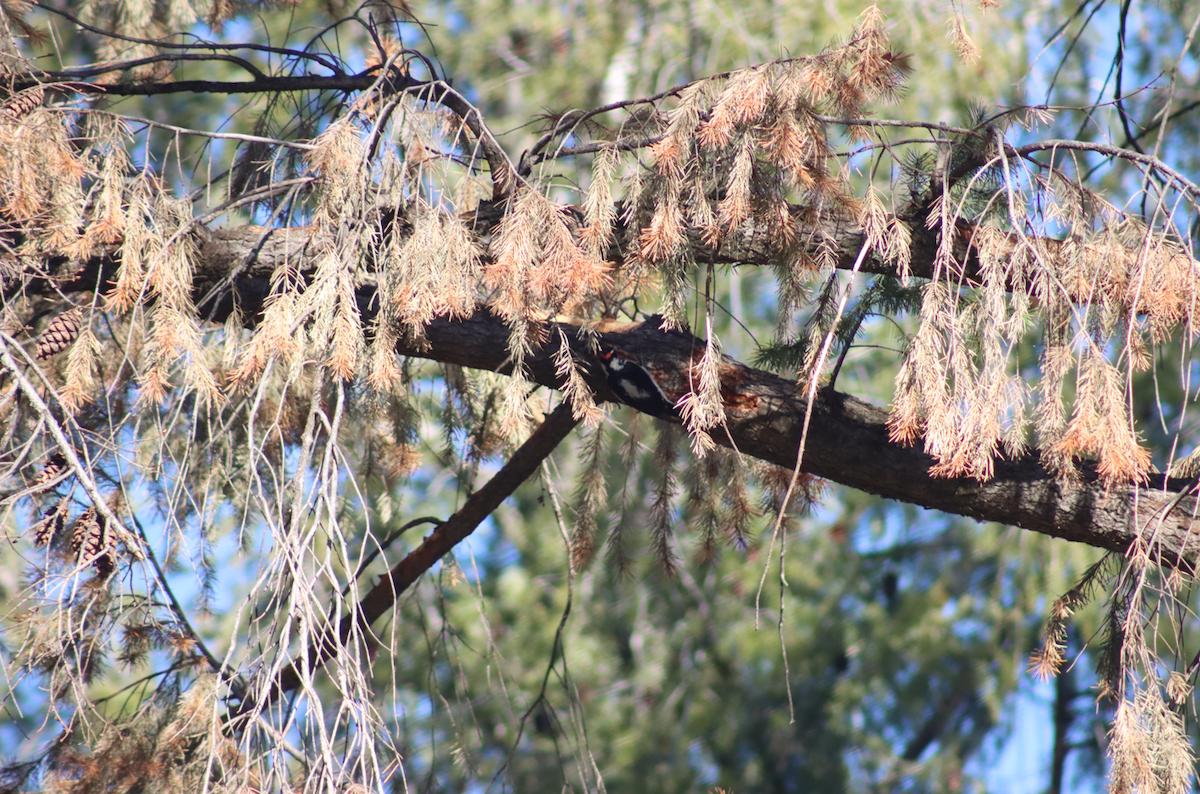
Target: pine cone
[[51, 524], [24, 102], [59, 334], [92, 541], [54, 467], [87, 536]]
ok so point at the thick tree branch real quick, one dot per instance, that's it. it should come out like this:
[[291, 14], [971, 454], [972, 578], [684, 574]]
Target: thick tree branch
[[325, 60], [848, 442], [260, 85], [439, 92], [520, 467]]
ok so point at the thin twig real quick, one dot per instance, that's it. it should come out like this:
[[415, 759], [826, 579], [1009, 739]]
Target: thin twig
[[523, 463], [82, 472]]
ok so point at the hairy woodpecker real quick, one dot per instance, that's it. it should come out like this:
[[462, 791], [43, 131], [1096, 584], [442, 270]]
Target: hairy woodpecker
[[634, 385]]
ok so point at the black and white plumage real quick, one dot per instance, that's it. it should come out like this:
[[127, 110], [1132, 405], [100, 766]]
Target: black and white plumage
[[635, 386]]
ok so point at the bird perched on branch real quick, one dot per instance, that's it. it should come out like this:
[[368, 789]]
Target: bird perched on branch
[[635, 385]]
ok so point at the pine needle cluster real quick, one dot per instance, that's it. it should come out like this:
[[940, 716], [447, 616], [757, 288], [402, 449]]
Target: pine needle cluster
[[1111, 283]]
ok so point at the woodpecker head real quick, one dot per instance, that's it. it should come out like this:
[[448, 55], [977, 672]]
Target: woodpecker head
[[610, 358]]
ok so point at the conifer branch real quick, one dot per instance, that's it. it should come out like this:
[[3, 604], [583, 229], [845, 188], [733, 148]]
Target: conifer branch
[[66, 448], [523, 464], [849, 444], [318, 57], [851, 448], [440, 92]]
